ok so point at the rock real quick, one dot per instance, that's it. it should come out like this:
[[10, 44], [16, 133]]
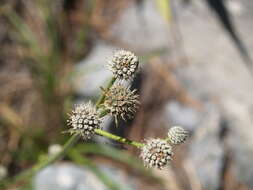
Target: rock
[[206, 151], [142, 28], [239, 119], [235, 7], [92, 73], [225, 80], [179, 114], [205, 148], [66, 176]]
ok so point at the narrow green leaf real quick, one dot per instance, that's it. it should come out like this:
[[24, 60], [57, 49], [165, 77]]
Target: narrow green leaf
[[79, 159]]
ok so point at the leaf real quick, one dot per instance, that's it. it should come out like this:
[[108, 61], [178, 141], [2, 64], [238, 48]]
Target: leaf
[[218, 6], [24, 33], [117, 155]]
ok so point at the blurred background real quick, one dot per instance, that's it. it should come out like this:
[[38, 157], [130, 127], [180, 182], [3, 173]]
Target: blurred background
[[196, 71]]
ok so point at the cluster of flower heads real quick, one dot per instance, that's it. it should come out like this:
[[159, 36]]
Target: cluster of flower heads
[[119, 101], [122, 102], [157, 153]]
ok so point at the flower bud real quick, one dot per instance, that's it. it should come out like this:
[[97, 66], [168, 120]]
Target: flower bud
[[177, 135]]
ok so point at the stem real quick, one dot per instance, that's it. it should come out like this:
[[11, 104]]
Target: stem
[[102, 98], [50, 160], [118, 138], [70, 143]]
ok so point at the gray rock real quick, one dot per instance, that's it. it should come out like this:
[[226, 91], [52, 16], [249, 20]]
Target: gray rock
[[240, 138], [71, 177], [143, 28], [92, 73], [181, 115], [217, 72], [206, 151]]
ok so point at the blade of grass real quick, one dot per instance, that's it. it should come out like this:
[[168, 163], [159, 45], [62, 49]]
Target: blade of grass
[[25, 35], [117, 155], [164, 9], [29, 173], [79, 159]]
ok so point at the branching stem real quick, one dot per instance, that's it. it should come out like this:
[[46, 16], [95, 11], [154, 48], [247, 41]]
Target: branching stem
[[69, 144]]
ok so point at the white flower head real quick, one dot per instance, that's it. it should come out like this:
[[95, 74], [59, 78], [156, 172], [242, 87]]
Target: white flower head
[[123, 64], [156, 153]]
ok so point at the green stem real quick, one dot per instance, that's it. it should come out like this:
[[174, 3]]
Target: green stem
[[35, 169], [70, 143], [102, 98], [118, 138]]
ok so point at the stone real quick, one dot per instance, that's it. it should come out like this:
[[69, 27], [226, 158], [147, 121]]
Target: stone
[[92, 73], [66, 176], [181, 115], [206, 151]]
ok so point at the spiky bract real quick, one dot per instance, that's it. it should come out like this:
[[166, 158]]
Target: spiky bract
[[121, 102]]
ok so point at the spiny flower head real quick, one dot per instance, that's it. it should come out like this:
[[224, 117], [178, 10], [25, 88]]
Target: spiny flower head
[[123, 64], [121, 102], [177, 135], [156, 153], [84, 120]]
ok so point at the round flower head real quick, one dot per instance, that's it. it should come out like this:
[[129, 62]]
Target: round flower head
[[123, 64], [177, 135], [121, 102], [84, 120], [156, 153]]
